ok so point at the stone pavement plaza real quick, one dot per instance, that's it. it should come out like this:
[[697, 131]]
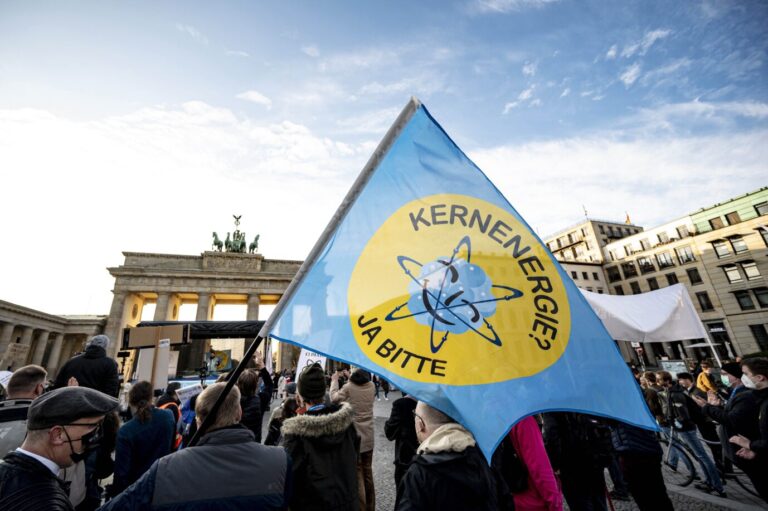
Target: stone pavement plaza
[[683, 499]]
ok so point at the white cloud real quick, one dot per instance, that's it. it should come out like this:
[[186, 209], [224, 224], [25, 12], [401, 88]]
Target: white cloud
[[676, 116], [375, 122], [654, 178], [566, 92], [237, 53], [630, 74], [611, 53], [311, 50], [192, 32], [504, 6], [510, 106], [535, 102], [529, 69], [371, 58], [256, 97], [157, 180], [641, 47], [525, 96], [663, 72], [423, 85]]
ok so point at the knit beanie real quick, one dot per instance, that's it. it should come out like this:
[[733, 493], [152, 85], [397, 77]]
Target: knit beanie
[[733, 368], [312, 382], [102, 341]]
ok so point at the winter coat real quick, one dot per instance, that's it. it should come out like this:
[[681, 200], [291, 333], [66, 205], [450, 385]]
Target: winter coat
[[739, 415], [543, 492], [28, 485], [361, 398], [760, 444], [704, 382], [140, 444], [449, 472], [13, 424], [226, 470], [679, 409], [323, 446], [401, 428], [93, 369], [252, 417]]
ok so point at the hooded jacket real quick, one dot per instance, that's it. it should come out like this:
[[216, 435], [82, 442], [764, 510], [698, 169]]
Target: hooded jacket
[[449, 472], [359, 393], [93, 369], [28, 485], [323, 446]]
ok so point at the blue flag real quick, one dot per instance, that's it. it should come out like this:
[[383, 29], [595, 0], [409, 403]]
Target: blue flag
[[428, 277]]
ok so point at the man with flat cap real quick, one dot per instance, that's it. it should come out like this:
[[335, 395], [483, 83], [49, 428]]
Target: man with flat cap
[[62, 427]]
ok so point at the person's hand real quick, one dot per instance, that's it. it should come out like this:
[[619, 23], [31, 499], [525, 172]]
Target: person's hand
[[698, 400], [747, 454], [259, 361], [713, 399], [740, 440], [72, 382], [335, 377]]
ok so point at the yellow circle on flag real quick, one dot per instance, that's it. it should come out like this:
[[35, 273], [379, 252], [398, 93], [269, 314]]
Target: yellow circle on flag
[[453, 289]]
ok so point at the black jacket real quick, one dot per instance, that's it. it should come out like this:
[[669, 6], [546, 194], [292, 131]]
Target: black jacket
[[739, 415], [28, 485], [760, 444], [324, 447], [401, 428], [448, 480], [93, 369], [631, 440], [679, 409], [251, 418]]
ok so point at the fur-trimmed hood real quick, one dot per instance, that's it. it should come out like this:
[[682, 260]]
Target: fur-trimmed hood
[[329, 424]]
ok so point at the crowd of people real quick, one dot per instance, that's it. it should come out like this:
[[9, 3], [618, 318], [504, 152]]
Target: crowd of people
[[62, 440]]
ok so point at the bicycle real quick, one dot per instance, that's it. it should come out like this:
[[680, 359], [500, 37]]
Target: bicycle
[[680, 471]]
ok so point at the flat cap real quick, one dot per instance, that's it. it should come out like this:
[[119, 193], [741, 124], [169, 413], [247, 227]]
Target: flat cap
[[66, 405]]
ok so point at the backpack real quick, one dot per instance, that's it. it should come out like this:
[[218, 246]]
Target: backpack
[[594, 438], [510, 473]]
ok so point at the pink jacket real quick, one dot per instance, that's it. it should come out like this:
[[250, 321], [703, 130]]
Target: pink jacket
[[543, 492]]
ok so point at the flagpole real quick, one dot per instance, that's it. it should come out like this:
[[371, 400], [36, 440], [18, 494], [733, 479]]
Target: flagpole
[[362, 179]]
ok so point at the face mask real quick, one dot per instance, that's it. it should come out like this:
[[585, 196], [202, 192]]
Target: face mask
[[748, 382], [725, 380], [90, 441]]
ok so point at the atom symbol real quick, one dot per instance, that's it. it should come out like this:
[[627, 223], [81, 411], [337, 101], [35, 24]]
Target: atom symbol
[[451, 295]]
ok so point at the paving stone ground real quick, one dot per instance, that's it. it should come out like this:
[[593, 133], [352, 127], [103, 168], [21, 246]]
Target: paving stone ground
[[683, 499]]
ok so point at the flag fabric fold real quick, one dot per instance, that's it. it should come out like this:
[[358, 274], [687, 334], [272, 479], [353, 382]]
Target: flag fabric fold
[[428, 277]]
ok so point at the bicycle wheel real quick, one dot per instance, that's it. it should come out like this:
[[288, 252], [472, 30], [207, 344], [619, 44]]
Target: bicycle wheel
[[681, 474]]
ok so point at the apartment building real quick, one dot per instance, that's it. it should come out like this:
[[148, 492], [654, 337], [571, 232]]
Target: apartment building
[[584, 242], [719, 254]]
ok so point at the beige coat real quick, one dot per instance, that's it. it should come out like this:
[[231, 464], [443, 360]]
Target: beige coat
[[361, 399]]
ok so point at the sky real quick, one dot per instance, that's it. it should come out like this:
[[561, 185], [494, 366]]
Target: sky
[[144, 126]]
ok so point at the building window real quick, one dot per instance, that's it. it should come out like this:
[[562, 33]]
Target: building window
[[635, 288], [693, 275], [750, 270], [584, 275], [721, 248], [762, 208], [589, 288], [645, 244], [574, 275], [599, 290], [732, 273], [764, 234], [761, 336], [646, 265], [629, 270], [653, 283], [704, 301], [685, 254], [716, 223], [584, 232], [594, 275], [761, 293], [745, 300], [733, 218], [602, 228], [663, 237], [619, 290], [672, 279], [664, 260], [738, 244], [613, 273], [682, 231], [628, 250], [612, 255]]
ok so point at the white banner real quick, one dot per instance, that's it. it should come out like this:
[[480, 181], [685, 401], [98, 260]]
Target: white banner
[[307, 358], [186, 393]]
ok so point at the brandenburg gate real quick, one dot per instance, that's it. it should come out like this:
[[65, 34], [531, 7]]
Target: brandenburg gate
[[212, 278]]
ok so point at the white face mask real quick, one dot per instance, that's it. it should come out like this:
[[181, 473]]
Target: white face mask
[[725, 380], [748, 382]]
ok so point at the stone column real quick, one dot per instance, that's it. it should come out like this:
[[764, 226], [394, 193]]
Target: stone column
[[253, 308], [42, 342], [161, 308], [115, 323], [5, 337], [191, 355], [53, 359]]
